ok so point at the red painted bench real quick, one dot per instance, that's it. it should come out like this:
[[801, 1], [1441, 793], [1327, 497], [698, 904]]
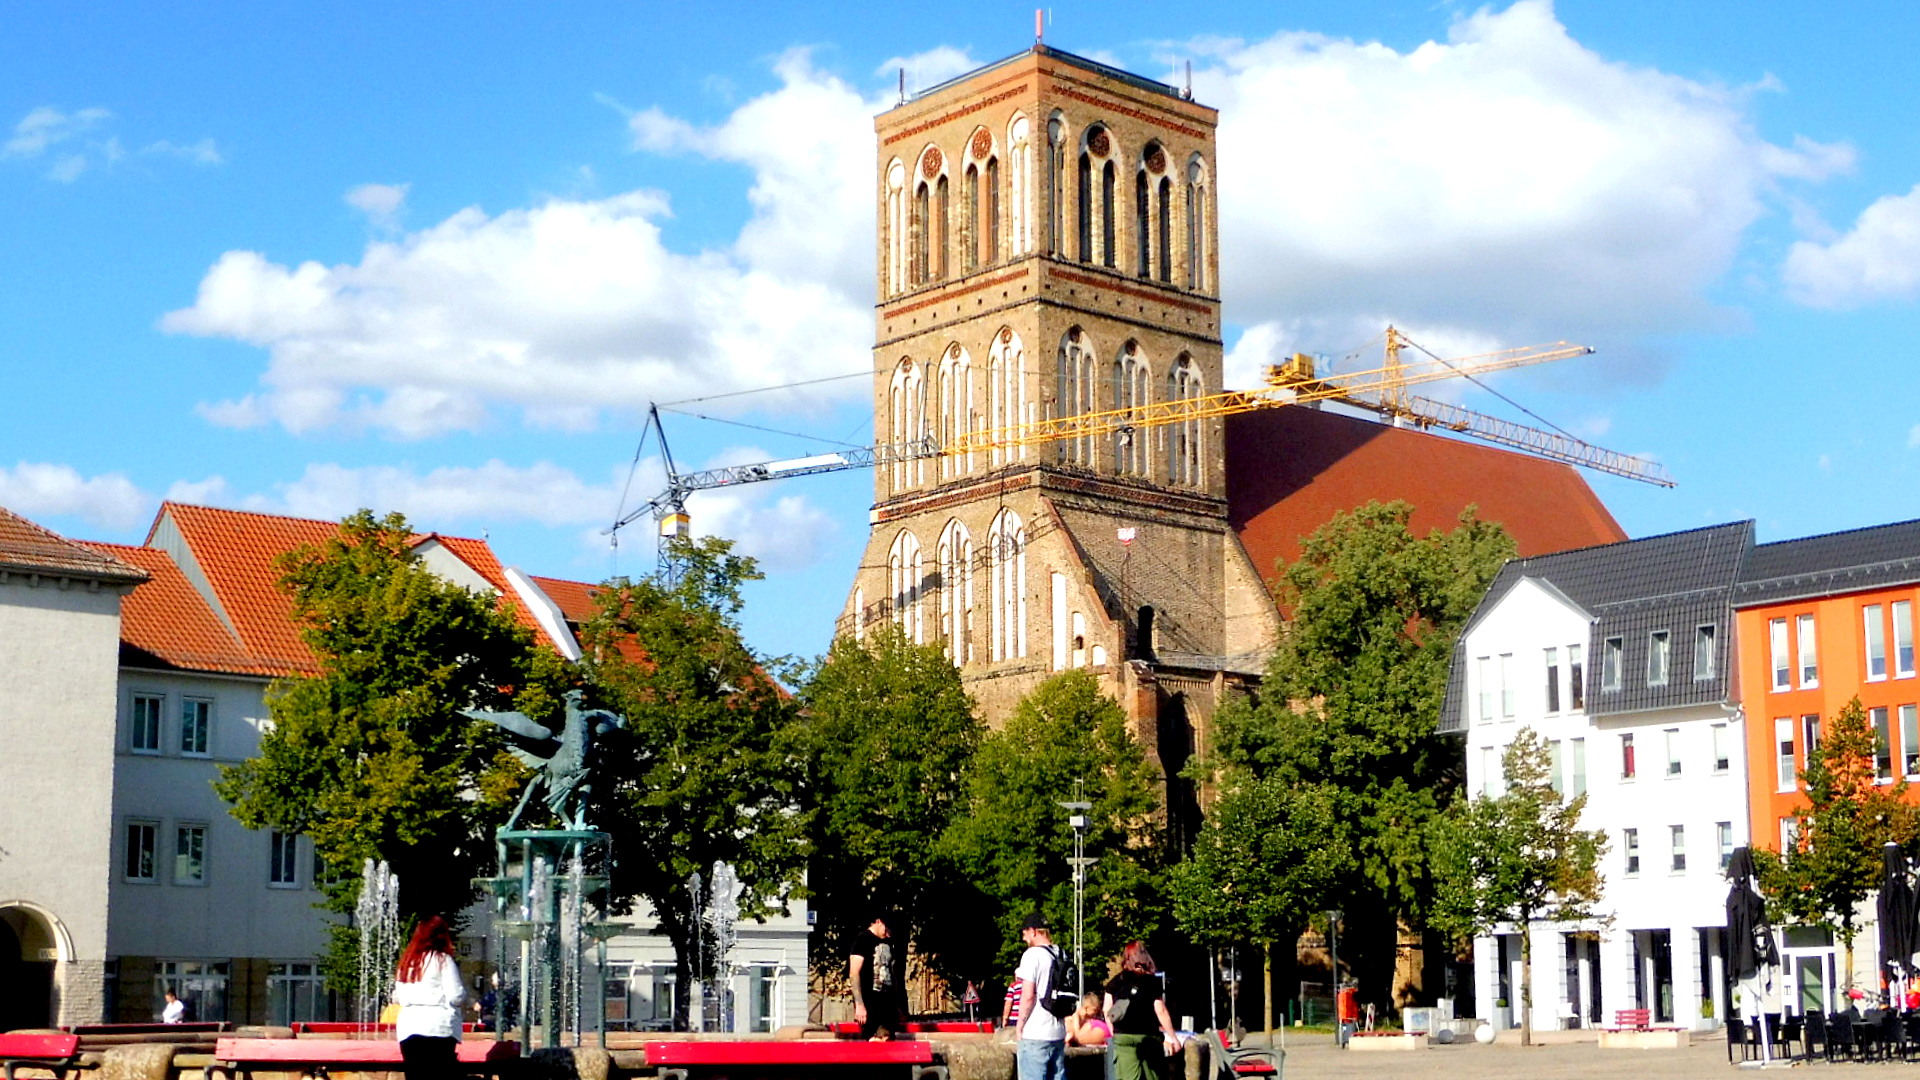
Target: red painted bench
[[237, 1057], [848, 1029], [1232, 1063], [1633, 1019], [679, 1060], [197, 1027], [54, 1053], [348, 1027]]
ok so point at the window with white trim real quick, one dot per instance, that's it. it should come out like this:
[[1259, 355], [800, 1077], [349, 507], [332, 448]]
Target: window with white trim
[[1876, 634], [283, 865], [1506, 686], [1659, 657], [1552, 657], [1910, 741], [1808, 639], [1706, 655], [1723, 839], [1722, 748], [1578, 786], [1784, 770], [1678, 840], [1777, 652], [1671, 736], [1576, 678], [1903, 638], [143, 732], [1630, 847], [1882, 743], [1483, 684], [196, 725], [142, 857], [190, 855], [1610, 663]]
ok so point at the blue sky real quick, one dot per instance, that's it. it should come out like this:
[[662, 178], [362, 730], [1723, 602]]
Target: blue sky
[[438, 257]]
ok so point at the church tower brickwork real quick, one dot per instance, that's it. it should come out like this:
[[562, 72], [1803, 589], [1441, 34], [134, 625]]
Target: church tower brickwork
[[1047, 248]]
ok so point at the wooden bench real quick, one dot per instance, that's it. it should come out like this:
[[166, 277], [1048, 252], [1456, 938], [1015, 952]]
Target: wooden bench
[[236, 1057], [679, 1060], [55, 1053], [198, 1027]]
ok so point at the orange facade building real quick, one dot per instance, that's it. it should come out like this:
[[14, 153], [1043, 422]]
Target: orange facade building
[[1819, 622]]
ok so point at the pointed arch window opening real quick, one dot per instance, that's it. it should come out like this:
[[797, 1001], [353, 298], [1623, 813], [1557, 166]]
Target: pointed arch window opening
[[896, 228], [955, 584], [1007, 617], [970, 238], [1074, 384], [1109, 257], [956, 411], [1184, 438], [1143, 220], [1132, 389], [906, 419], [1006, 395], [1056, 187], [1163, 234], [905, 582], [1019, 209]]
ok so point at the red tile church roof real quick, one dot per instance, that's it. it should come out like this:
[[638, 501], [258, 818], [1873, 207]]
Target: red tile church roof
[[1290, 470]]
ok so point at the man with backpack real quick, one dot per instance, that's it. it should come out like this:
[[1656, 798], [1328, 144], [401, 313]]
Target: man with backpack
[[1047, 995]]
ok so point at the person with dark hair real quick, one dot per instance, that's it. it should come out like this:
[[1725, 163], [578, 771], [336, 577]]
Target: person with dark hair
[[1042, 1053], [428, 989], [1138, 1011], [876, 967]]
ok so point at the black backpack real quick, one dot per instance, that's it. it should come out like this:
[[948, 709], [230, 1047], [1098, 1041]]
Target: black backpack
[[1062, 997]]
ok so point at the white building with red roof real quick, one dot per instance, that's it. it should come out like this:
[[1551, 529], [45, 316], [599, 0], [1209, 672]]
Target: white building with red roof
[[135, 672]]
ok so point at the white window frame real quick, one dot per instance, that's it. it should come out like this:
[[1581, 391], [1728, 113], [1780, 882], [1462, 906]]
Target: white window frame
[[1578, 784], [1629, 760], [1672, 740], [1786, 769], [151, 830], [1875, 652], [184, 832], [1807, 638], [1879, 721], [1706, 651], [1722, 750], [1723, 835], [1483, 670], [1551, 656], [1576, 679], [144, 725], [1777, 653], [1630, 852], [1902, 611], [283, 860], [1507, 690], [1677, 844], [196, 717], [1659, 657], [1910, 741], [1612, 659]]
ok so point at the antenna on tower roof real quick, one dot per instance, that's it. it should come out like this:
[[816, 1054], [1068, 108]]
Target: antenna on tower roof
[[1188, 92], [903, 87], [1039, 34]]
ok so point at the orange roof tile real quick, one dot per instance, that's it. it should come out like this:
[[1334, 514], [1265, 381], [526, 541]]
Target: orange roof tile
[[574, 598], [165, 623], [1290, 470], [29, 548], [235, 552]]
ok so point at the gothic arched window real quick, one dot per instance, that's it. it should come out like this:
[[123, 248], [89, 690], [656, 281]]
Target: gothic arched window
[[906, 420], [904, 578], [1132, 389], [895, 224], [1007, 617], [1197, 244], [1184, 436], [1006, 396], [955, 410], [1074, 388], [1019, 183], [956, 592]]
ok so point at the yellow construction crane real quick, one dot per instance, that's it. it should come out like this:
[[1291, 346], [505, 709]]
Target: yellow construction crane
[[1295, 382]]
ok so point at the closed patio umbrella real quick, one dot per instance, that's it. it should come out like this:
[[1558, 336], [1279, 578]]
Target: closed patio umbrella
[[1752, 956], [1898, 912]]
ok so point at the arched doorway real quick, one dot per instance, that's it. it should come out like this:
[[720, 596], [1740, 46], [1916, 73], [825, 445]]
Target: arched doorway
[[28, 952]]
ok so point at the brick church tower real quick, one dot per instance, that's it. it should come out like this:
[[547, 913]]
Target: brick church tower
[[1047, 249]]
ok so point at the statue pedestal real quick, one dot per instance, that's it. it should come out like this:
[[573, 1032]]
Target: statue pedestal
[[548, 901]]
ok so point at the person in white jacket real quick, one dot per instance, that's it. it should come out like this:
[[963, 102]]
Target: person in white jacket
[[428, 989]]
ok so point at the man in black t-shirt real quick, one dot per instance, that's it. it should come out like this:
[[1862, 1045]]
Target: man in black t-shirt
[[876, 966]]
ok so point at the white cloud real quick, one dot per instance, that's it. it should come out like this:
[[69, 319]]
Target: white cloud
[[380, 202], [40, 489], [1878, 259], [925, 70], [1507, 184], [73, 144], [573, 307], [47, 126]]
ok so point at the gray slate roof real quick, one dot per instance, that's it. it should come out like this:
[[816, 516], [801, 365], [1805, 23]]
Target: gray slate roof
[[1841, 562], [1676, 582]]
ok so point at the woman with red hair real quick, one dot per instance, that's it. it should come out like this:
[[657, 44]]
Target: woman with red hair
[[428, 989], [1138, 1011]]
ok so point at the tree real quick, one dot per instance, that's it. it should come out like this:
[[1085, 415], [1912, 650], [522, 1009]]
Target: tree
[[1066, 741], [370, 757], [1834, 865], [1517, 858], [702, 773], [886, 733], [1259, 868], [1349, 704]]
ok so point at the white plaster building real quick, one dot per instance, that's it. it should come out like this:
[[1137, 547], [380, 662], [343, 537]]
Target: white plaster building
[[1620, 657], [131, 674]]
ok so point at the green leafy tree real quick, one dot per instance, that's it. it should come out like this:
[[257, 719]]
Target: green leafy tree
[[1066, 741], [1259, 868], [370, 757], [886, 735], [702, 773], [1516, 859], [1835, 864], [1349, 704]]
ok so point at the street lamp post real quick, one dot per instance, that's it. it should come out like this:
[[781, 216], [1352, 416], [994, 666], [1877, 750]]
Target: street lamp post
[[1078, 819]]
